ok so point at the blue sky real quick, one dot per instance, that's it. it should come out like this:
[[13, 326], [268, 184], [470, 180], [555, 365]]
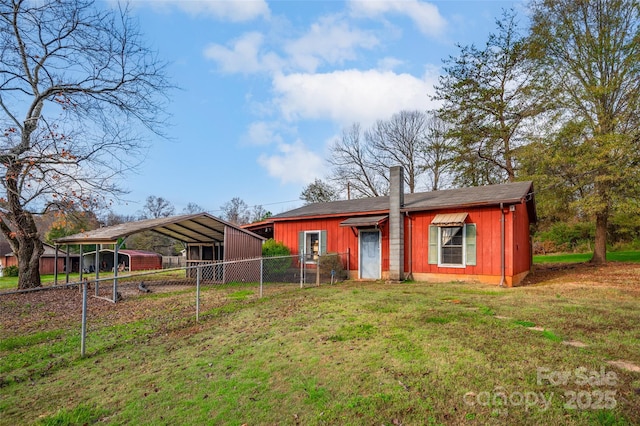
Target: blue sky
[[266, 86]]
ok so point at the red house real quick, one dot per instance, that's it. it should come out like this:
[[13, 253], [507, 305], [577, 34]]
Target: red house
[[474, 234]]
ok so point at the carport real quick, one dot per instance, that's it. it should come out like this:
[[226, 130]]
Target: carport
[[208, 239]]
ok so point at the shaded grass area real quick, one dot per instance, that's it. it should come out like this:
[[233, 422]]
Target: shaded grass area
[[350, 354], [617, 256], [11, 283]]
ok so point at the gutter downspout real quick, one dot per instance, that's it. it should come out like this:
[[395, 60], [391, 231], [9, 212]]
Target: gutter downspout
[[502, 248]]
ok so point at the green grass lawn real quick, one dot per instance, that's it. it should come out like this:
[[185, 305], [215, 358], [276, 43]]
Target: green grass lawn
[[618, 256], [354, 353]]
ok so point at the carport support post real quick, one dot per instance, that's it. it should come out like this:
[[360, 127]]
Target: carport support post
[[81, 261], [66, 266], [115, 272], [96, 263], [55, 267]]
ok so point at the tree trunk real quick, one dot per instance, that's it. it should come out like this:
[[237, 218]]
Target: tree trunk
[[600, 246], [21, 233], [29, 263]]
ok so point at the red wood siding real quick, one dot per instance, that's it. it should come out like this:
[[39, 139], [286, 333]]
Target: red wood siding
[[46, 264], [416, 234], [340, 239], [144, 263], [487, 222], [523, 256]]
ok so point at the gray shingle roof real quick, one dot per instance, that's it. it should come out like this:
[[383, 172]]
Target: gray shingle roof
[[508, 193]]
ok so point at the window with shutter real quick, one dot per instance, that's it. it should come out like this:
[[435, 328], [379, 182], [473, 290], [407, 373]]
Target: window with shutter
[[452, 246]]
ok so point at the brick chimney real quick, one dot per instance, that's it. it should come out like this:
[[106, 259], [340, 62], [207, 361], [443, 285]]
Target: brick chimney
[[396, 224]]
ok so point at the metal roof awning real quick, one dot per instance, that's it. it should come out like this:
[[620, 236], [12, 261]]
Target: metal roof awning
[[359, 222], [449, 219], [191, 229]]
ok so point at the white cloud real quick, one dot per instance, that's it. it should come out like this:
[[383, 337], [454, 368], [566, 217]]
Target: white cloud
[[330, 40], [244, 56], [389, 63], [425, 16], [226, 10], [293, 163], [351, 96], [263, 133]]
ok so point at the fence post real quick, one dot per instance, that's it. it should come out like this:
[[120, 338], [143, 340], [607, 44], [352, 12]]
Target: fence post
[[261, 279], [198, 275], [348, 257], [318, 271], [84, 318], [302, 269]]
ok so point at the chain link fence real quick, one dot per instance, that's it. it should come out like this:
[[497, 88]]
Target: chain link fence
[[266, 275]]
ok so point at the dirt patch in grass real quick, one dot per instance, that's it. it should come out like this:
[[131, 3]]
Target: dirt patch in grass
[[624, 276], [61, 307]]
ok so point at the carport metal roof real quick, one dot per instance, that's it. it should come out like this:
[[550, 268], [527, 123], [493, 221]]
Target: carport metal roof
[[191, 229]]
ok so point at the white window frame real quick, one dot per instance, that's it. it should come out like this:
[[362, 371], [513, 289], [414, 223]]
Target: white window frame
[[463, 247], [309, 256]]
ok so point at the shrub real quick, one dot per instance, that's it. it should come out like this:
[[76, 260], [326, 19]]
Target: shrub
[[332, 262], [272, 248], [10, 271], [563, 237]]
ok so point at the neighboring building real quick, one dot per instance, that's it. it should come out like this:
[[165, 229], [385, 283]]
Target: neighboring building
[[48, 260], [129, 260], [479, 234]]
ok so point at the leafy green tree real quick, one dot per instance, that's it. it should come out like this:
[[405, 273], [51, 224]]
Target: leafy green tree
[[590, 53], [71, 222], [491, 98]]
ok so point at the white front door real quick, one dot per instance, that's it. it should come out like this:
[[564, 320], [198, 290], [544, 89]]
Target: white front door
[[369, 249]]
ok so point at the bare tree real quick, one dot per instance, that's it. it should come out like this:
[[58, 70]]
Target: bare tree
[[259, 213], [411, 139], [401, 140], [352, 163], [193, 208], [438, 153], [156, 207], [236, 211], [77, 87], [319, 191]]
